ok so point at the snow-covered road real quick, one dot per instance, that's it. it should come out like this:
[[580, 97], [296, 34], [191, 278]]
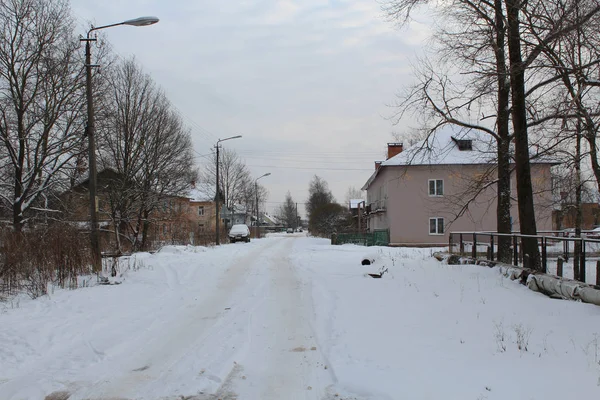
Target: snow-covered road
[[291, 317]]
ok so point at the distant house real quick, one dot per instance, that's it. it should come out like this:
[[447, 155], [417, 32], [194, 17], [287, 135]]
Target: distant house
[[267, 219], [185, 219], [238, 214], [565, 210], [202, 213], [420, 194]]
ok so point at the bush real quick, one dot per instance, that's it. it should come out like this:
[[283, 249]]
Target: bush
[[31, 260]]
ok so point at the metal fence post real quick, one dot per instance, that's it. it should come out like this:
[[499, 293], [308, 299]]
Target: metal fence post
[[544, 255], [492, 246], [582, 271], [598, 272], [474, 249], [462, 245], [515, 251]]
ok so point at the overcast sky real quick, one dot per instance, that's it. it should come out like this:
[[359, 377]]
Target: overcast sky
[[307, 83]]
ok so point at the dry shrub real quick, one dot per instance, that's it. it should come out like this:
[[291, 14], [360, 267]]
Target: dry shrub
[[33, 259]]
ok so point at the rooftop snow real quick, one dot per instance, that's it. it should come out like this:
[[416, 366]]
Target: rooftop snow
[[196, 194], [441, 149]]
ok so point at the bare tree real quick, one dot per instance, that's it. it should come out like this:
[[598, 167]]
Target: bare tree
[[352, 194], [253, 198], [521, 31], [41, 100], [466, 87], [143, 139], [234, 176]]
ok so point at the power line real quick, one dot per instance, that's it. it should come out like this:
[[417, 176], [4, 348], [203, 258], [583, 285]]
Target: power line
[[308, 168]]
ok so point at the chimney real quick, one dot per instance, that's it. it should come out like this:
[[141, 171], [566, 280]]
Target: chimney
[[394, 149], [377, 165]]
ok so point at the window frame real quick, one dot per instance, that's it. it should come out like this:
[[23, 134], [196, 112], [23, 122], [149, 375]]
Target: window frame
[[201, 211], [437, 226], [435, 187]]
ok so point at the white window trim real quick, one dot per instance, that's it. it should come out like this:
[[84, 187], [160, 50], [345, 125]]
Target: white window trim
[[435, 186], [201, 208], [436, 226]]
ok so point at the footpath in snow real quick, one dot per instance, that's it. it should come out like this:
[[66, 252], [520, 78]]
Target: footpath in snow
[[291, 317]]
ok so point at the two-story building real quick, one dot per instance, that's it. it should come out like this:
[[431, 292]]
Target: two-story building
[[444, 183]]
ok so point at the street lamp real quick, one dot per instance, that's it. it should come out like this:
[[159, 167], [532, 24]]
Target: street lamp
[[217, 216], [90, 132], [257, 228]]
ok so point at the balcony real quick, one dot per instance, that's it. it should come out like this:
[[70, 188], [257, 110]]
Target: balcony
[[377, 206]]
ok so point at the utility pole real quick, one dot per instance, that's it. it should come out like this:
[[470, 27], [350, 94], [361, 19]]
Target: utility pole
[[217, 201], [217, 194], [358, 205], [257, 209], [256, 228], [90, 131]]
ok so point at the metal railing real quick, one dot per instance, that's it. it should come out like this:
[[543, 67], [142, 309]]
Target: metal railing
[[576, 258]]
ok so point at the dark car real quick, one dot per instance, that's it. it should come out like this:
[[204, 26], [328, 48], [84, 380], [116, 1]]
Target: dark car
[[239, 233]]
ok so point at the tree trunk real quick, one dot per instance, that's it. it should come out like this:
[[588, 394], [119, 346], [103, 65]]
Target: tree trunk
[[578, 210], [144, 245], [503, 207], [531, 254]]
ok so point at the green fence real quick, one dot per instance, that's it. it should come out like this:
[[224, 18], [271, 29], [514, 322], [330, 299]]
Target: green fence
[[376, 238]]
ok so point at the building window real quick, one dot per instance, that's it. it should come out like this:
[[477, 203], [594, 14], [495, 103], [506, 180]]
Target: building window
[[200, 210], [164, 229], [200, 227], [436, 226], [436, 187]]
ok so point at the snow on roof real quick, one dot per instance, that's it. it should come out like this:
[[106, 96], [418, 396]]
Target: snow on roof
[[443, 149], [196, 194], [271, 219]]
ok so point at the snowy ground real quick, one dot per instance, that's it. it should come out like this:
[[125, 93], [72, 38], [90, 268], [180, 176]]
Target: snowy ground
[[290, 317]]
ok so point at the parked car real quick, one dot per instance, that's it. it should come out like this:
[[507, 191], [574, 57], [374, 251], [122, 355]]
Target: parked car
[[238, 233], [290, 230]]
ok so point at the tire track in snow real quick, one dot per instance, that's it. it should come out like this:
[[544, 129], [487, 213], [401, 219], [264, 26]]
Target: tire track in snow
[[283, 360], [186, 340]]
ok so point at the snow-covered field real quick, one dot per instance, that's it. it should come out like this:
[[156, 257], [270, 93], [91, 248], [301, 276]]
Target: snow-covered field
[[291, 317]]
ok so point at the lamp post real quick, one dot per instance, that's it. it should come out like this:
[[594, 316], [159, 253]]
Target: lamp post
[[217, 216], [257, 228], [90, 132]]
